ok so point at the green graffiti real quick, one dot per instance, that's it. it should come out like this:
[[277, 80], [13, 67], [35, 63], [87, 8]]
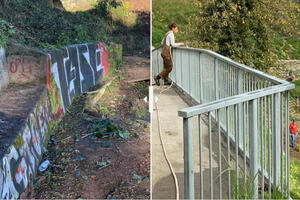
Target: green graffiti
[[54, 96], [19, 142]]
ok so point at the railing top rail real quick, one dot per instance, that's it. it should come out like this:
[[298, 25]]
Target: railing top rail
[[229, 101], [234, 63]]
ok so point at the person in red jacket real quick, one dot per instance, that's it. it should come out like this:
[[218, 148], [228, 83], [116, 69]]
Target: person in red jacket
[[293, 132]]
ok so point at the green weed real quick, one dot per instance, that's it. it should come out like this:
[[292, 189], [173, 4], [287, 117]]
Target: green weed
[[103, 109], [295, 179], [124, 15], [140, 109]]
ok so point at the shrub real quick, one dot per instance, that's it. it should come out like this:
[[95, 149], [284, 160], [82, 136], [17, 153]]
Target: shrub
[[243, 29]]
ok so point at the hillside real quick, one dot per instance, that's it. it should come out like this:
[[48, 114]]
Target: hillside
[[284, 46], [164, 12], [36, 23]]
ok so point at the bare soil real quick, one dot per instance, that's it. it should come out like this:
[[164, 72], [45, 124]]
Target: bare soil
[[84, 165]]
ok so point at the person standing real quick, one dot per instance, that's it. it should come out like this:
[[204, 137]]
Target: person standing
[[293, 132], [168, 42]]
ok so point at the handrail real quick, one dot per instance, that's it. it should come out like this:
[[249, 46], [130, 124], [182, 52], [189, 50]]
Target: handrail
[[229, 101], [232, 62]]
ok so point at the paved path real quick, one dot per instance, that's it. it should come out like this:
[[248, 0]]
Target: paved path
[[163, 186]]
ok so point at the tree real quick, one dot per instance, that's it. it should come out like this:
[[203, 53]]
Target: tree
[[243, 29]]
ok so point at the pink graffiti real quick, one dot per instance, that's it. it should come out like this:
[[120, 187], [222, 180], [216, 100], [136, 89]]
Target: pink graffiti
[[104, 58]]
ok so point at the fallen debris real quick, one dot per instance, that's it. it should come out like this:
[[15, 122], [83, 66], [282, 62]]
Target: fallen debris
[[44, 165]]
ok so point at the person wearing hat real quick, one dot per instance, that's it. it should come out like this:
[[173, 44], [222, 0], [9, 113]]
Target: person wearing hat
[[168, 42], [293, 132]]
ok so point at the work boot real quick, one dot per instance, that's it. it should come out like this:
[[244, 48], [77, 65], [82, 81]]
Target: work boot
[[156, 79], [167, 82]]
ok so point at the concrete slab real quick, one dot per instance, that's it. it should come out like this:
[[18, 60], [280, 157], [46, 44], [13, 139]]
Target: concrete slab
[[3, 70], [163, 186], [26, 69], [16, 103]]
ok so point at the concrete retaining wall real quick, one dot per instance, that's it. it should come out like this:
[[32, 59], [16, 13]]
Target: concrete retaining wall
[[73, 70], [66, 72], [3, 70], [22, 159]]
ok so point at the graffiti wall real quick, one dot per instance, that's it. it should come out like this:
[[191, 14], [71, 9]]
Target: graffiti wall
[[3, 70], [69, 71], [24, 69], [73, 70], [23, 157]]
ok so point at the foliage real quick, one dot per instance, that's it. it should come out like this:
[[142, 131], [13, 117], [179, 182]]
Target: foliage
[[140, 109], [104, 6], [295, 179], [241, 190], [296, 91], [286, 47], [164, 12], [6, 31], [243, 29], [39, 25], [124, 15]]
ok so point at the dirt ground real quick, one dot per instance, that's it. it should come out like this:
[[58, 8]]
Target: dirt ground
[[104, 152]]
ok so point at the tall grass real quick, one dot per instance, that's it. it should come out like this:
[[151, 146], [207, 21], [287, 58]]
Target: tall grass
[[166, 11]]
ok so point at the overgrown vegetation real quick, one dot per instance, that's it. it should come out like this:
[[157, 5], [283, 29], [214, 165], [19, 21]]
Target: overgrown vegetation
[[124, 15], [256, 33], [164, 12], [243, 29], [295, 179], [36, 23]]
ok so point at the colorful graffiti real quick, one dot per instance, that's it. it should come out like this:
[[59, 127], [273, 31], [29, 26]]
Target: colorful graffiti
[[19, 165], [74, 70], [69, 71]]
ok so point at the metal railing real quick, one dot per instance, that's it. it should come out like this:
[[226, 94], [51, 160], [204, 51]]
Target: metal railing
[[250, 112]]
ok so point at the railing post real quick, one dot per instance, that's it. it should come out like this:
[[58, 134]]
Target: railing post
[[188, 143], [253, 139], [276, 140], [216, 79], [240, 108], [200, 79]]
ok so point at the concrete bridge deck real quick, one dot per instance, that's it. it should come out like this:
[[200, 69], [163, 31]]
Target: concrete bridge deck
[[163, 186]]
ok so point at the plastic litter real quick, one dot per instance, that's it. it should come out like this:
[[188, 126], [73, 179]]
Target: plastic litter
[[44, 165]]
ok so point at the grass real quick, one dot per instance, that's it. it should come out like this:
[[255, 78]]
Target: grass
[[124, 15], [295, 179], [296, 92], [286, 48], [166, 11]]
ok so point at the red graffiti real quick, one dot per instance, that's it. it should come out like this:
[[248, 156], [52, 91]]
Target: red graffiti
[[13, 67], [104, 58], [18, 65], [48, 72]]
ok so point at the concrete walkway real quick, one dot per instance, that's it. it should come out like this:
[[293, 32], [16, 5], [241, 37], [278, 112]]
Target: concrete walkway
[[163, 186]]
